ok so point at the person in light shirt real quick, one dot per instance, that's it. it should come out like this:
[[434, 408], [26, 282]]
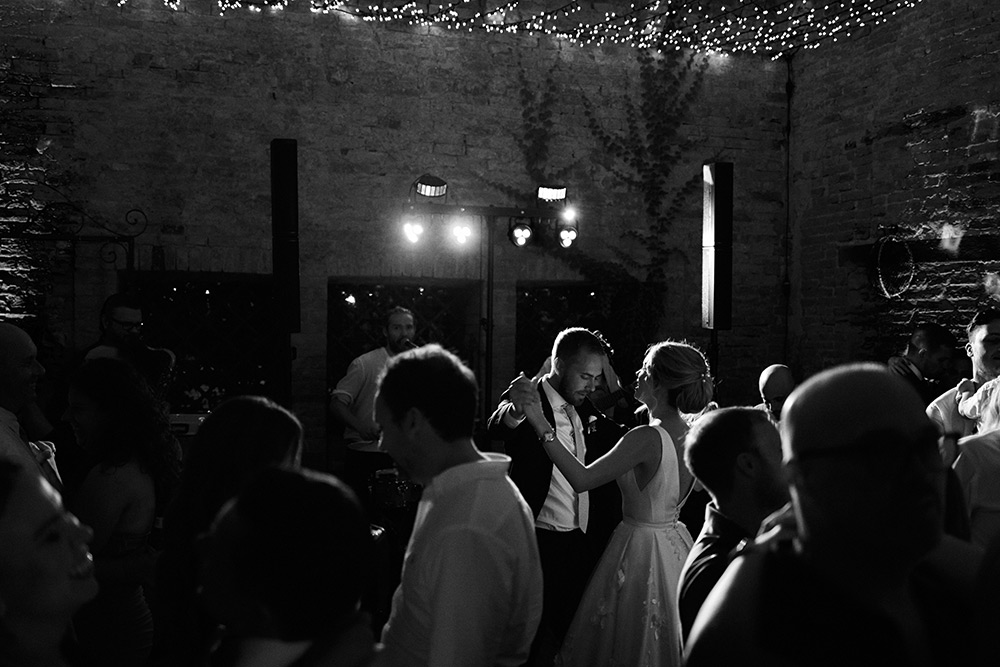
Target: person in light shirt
[[983, 349], [352, 403], [471, 586]]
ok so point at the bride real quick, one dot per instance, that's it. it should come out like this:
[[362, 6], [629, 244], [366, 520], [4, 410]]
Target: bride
[[628, 614]]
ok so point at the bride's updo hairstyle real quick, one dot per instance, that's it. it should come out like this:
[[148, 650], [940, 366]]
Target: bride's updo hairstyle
[[682, 370]]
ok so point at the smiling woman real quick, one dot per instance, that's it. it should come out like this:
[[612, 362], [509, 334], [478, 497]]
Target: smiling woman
[[46, 572]]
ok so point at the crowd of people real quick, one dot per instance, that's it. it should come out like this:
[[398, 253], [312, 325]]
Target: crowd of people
[[851, 518]]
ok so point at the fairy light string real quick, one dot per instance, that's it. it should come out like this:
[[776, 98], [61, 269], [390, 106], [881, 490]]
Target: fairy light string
[[756, 27]]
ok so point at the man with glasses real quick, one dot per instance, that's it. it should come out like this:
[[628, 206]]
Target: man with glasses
[[121, 337], [862, 581], [121, 326]]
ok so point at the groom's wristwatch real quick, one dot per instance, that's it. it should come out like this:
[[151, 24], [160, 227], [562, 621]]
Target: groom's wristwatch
[[548, 436]]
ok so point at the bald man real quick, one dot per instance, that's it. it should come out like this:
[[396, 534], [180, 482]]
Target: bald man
[[19, 375], [867, 486], [775, 384]]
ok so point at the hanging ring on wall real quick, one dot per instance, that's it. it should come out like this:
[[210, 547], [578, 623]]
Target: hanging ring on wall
[[895, 267]]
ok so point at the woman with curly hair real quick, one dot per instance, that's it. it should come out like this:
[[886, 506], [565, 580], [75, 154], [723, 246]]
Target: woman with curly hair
[[134, 466], [628, 614]]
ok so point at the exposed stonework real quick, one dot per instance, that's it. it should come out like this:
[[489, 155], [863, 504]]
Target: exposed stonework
[[895, 131], [173, 112]]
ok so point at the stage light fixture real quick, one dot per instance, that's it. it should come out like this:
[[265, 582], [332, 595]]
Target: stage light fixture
[[551, 193], [567, 235], [430, 186], [461, 231], [413, 231], [567, 227], [519, 232]]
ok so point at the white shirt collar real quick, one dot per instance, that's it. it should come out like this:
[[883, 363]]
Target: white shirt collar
[[556, 399], [492, 465]]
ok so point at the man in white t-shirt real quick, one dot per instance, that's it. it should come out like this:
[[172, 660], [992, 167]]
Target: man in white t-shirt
[[352, 403]]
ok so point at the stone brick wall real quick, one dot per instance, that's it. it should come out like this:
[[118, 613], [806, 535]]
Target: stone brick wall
[[894, 137], [173, 112]]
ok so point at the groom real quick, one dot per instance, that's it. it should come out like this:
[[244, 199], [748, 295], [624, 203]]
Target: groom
[[562, 516]]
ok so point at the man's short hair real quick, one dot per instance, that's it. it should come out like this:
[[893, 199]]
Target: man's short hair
[[119, 300], [306, 551], [981, 317], [571, 342], [398, 310], [932, 335], [436, 382], [716, 439]]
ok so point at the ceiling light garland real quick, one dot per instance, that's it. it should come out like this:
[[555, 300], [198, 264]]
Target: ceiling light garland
[[761, 27]]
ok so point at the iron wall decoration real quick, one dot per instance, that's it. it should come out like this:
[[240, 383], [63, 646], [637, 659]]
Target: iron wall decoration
[[40, 227], [33, 209]]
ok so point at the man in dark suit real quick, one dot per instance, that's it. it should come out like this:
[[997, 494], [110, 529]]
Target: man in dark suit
[[927, 358], [736, 454], [562, 516]]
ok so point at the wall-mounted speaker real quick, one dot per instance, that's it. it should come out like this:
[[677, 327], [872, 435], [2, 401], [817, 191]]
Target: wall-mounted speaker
[[285, 232], [717, 247]]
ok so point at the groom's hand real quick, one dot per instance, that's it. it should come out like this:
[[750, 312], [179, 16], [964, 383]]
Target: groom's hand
[[522, 394]]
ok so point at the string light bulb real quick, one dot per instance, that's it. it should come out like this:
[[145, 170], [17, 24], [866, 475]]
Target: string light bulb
[[461, 232], [733, 26], [413, 231]]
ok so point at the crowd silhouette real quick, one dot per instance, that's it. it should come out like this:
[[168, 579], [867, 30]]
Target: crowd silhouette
[[852, 517]]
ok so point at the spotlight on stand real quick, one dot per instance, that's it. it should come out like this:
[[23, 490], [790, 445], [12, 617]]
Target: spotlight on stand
[[551, 193], [567, 235], [461, 230], [430, 186], [519, 232], [413, 230], [567, 227]]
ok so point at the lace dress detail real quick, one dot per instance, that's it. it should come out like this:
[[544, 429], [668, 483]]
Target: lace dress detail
[[628, 615]]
